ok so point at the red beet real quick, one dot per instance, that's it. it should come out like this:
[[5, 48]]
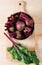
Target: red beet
[[7, 25], [30, 23], [12, 34], [18, 35], [27, 19], [27, 31], [20, 25], [11, 18], [23, 16], [11, 29]]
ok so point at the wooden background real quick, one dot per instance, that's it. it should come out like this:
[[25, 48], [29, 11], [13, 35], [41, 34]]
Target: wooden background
[[8, 7]]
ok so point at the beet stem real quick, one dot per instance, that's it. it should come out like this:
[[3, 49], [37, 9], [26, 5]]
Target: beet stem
[[14, 43]]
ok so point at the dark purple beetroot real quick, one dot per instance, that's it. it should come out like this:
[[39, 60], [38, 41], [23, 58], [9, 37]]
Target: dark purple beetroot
[[28, 20], [27, 31], [13, 34], [20, 25], [11, 29], [18, 35]]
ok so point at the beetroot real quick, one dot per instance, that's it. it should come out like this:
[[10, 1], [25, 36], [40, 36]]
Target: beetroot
[[12, 34], [23, 16], [28, 21], [18, 35], [11, 18], [27, 31], [11, 29], [20, 25]]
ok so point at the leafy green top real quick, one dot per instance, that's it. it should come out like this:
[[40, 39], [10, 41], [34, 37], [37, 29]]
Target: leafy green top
[[23, 54]]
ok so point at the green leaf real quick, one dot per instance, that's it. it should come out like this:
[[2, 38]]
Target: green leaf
[[9, 48], [23, 49], [22, 54]]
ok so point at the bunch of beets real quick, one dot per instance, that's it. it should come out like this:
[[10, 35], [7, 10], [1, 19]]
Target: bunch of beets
[[20, 25]]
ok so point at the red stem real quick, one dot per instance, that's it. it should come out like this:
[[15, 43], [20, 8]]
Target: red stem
[[14, 43]]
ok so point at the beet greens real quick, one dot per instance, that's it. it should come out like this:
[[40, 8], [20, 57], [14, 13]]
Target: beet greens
[[21, 53]]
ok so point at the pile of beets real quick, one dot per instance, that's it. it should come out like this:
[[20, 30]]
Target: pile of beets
[[20, 25]]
